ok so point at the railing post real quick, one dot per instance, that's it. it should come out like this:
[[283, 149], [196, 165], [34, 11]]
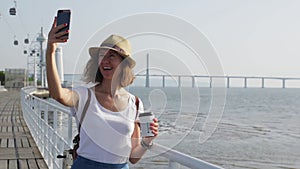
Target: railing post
[[193, 81], [55, 120], [228, 82], [70, 130], [147, 72], [163, 81], [54, 137], [39, 125], [47, 139], [46, 128]]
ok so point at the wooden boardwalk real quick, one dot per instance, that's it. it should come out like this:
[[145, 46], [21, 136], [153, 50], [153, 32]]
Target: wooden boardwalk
[[17, 147]]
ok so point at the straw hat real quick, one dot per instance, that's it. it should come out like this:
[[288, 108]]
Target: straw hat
[[116, 43]]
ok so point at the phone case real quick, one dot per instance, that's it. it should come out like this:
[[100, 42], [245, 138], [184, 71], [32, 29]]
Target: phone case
[[64, 17]]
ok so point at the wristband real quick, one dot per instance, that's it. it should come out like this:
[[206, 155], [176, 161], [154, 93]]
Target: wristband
[[146, 146]]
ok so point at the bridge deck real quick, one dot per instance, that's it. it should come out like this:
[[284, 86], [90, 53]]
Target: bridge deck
[[17, 147]]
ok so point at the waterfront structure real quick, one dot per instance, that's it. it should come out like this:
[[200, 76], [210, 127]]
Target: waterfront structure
[[17, 147], [41, 39], [36, 60], [15, 77]]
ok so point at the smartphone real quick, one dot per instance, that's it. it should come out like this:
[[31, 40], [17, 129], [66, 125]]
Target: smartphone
[[64, 16]]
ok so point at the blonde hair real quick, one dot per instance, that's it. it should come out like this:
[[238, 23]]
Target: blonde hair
[[92, 73]]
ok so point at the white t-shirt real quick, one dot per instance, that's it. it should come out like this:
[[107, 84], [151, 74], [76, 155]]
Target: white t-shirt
[[105, 136]]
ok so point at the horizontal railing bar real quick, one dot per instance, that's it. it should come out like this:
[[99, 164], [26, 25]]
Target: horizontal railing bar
[[52, 105], [182, 158]]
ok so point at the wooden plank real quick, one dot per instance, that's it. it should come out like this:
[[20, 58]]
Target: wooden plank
[[11, 142], [32, 164], [25, 153], [3, 130], [9, 129], [20, 129], [4, 119], [7, 153], [29, 153], [15, 128], [31, 142], [12, 164], [42, 164], [25, 142], [5, 123], [5, 135], [3, 164], [18, 135], [23, 164], [17, 118], [4, 142], [25, 128], [18, 142]]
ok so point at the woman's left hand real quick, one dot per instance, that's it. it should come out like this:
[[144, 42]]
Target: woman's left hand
[[154, 128]]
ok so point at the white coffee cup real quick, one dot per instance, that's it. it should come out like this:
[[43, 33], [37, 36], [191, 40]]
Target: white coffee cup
[[146, 119]]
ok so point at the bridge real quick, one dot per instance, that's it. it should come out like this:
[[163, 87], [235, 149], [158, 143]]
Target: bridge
[[213, 81]]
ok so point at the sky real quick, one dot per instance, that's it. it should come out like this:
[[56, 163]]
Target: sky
[[249, 37]]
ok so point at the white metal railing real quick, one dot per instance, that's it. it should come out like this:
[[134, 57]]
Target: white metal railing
[[176, 158], [51, 143], [47, 137]]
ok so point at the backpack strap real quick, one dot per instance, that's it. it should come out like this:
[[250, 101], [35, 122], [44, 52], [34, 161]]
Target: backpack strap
[[137, 103], [87, 103]]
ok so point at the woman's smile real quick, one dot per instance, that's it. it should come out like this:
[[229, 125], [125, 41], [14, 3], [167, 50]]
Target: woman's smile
[[109, 61]]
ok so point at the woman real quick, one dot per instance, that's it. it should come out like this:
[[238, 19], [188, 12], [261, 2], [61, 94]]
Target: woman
[[110, 135]]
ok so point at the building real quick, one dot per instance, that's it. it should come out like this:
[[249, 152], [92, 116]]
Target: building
[[15, 78]]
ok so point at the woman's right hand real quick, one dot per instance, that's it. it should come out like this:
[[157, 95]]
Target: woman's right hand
[[54, 36]]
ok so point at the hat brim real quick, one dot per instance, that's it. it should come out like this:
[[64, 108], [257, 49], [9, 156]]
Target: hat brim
[[94, 52]]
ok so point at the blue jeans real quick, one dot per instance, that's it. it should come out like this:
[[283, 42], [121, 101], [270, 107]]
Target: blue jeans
[[84, 163]]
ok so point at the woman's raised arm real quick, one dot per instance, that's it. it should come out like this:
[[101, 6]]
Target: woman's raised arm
[[65, 96]]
